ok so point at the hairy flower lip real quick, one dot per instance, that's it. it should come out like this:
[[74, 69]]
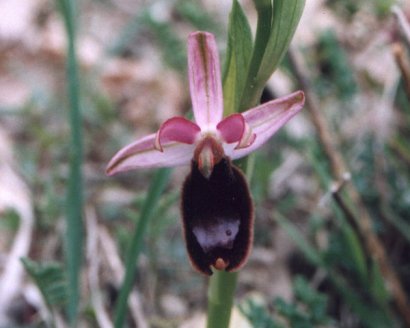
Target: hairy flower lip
[[212, 206]]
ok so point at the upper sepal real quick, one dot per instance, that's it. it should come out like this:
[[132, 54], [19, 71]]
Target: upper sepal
[[205, 79]]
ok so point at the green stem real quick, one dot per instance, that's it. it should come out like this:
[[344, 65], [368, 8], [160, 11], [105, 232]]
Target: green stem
[[220, 298], [157, 187]]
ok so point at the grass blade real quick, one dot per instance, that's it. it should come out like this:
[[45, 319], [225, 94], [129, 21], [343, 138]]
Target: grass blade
[[308, 250], [158, 184], [74, 200]]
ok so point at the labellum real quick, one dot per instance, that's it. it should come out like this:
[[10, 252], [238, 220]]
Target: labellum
[[217, 215]]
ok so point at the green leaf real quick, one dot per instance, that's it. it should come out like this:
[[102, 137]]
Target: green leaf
[[402, 226], [314, 302], [264, 9], [286, 16], [369, 315], [305, 247], [277, 22], [355, 248], [50, 280], [258, 315], [251, 94], [377, 287], [238, 57]]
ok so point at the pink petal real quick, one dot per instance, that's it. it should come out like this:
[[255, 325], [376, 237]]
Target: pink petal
[[265, 120], [235, 129], [142, 153], [205, 79], [231, 128], [176, 129]]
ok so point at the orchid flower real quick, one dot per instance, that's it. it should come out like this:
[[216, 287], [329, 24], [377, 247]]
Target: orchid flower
[[217, 211]]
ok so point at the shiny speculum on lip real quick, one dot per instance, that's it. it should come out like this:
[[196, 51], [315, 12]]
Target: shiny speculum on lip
[[218, 217]]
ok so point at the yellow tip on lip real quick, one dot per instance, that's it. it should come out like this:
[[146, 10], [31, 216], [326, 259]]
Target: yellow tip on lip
[[220, 264]]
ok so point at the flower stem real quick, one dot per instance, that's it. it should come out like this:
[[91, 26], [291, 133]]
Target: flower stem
[[220, 298]]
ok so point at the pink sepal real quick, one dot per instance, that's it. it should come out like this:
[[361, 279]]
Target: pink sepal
[[176, 129], [205, 79], [142, 153], [265, 120]]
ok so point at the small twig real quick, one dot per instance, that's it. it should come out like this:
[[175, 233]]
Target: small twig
[[335, 188], [93, 257], [402, 22], [111, 253], [402, 62], [349, 214], [323, 131], [338, 186], [363, 220]]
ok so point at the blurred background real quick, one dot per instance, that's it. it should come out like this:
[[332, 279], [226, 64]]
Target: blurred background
[[311, 266]]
